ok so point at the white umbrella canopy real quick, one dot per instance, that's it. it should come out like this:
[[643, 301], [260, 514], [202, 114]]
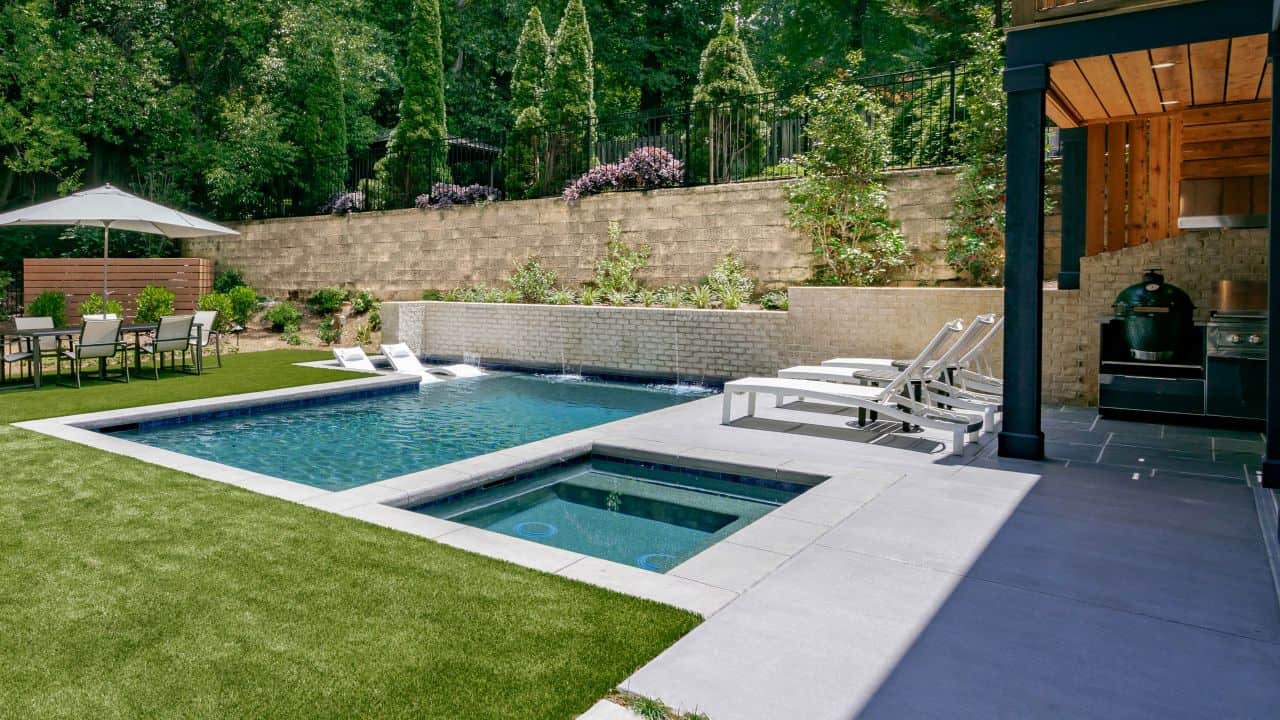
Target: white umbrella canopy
[[108, 207]]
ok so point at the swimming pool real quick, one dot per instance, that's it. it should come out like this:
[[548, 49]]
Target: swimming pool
[[346, 442], [647, 515]]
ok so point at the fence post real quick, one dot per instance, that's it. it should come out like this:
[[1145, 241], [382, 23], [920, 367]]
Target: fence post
[[688, 142], [951, 115]]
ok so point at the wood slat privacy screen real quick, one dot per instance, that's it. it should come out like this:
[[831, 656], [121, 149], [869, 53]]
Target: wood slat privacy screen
[[188, 278], [1225, 159], [1133, 183]]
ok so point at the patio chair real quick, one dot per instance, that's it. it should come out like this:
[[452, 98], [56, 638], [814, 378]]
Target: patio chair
[[403, 360], [892, 400], [933, 383], [978, 342], [354, 358], [20, 350], [100, 316], [98, 340], [173, 335], [205, 334]]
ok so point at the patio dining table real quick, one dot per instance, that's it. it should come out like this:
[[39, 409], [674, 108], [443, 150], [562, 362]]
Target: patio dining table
[[33, 336]]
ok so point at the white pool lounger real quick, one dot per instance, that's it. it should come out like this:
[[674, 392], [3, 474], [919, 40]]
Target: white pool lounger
[[354, 358], [404, 360]]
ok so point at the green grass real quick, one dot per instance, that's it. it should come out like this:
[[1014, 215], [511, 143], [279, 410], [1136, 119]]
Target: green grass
[[129, 590]]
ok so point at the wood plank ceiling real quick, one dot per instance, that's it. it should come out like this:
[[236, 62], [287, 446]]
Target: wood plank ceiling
[[1157, 81]]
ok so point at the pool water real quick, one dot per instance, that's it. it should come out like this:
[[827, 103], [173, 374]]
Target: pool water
[[344, 443], [650, 516]]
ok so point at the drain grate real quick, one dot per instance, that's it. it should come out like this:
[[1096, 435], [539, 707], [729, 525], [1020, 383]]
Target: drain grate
[[657, 562], [536, 529]]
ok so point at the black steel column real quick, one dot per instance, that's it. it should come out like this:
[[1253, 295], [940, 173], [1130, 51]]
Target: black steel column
[[1271, 463], [1021, 436], [1075, 181]]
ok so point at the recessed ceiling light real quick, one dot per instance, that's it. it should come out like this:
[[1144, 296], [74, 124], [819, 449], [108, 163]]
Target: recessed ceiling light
[[1163, 65], [1168, 102]]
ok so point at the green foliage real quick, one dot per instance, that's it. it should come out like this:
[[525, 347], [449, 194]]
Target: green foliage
[[435, 295], [50, 303], [729, 134], [154, 303], [317, 127], [775, 300], [330, 331], [617, 298], [417, 152], [570, 91], [528, 84], [562, 297], [93, 305], [244, 301], [227, 280], [730, 276], [646, 297], [975, 231], [5, 281], [700, 297], [588, 296], [291, 336], [282, 316], [222, 305], [362, 301], [671, 297], [617, 271], [364, 335], [532, 282], [840, 202], [326, 301], [732, 298]]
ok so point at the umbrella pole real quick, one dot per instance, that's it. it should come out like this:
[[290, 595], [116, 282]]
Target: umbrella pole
[[106, 234]]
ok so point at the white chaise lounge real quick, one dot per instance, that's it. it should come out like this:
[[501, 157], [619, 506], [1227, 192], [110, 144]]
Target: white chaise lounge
[[404, 360], [354, 358], [934, 381], [890, 400]]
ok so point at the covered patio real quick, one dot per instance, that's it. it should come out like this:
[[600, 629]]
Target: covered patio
[[1167, 110]]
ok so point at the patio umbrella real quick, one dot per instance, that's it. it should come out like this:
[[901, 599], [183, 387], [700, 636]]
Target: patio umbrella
[[108, 207]]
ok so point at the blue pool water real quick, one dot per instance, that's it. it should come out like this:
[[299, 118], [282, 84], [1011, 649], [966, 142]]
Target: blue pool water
[[345, 443], [650, 516]]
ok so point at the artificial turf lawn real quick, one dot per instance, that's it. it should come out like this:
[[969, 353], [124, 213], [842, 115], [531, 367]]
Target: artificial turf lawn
[[131, 590]]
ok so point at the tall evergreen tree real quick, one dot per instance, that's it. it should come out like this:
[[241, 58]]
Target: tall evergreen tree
[[418, 150], [571, 85], [528, 84], [729, 135], [318, 126], [569, 104]]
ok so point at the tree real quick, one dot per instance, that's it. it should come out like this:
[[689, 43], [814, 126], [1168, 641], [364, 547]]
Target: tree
[[312, 89], [417, 154], [729, 135], [528, 84], [569, 104]]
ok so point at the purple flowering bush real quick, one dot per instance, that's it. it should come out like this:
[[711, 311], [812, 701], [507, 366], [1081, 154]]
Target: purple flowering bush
[[345, 202], [644, 169], [445, 195]]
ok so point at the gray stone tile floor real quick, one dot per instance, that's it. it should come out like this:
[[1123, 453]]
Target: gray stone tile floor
[[1125, 577]]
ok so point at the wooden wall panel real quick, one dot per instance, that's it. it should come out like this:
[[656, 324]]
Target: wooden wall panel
[[1117, 146], [1132, 187], [1226, 141], [188, 278], [1096, 195]]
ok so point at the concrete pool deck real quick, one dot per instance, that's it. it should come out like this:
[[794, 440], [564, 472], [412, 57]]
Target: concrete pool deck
[[918, 583]]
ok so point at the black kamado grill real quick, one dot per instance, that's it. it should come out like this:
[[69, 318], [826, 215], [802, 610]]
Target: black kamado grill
[[1158, 317]]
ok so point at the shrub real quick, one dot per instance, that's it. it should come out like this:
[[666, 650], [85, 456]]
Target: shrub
[[93, 305], [730, 276], [617, 298], [671, 297], [341, 203], [775, 300], [362, 302], [154, 303], [701, 297], [446, 195], [364, 334], [646, 297], [533, 282], [732, 298], [227, 280], [589, 295], [375, 316], [617, 271], [528, 83], [326, 301], [329, 331], [418, 151], [728, 134], [283, 316], [645, 168], [510, 296], [435, 294], [562, 297], [244, 301], [51, 303], [291, 336], [222, 304], [840, 202]]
